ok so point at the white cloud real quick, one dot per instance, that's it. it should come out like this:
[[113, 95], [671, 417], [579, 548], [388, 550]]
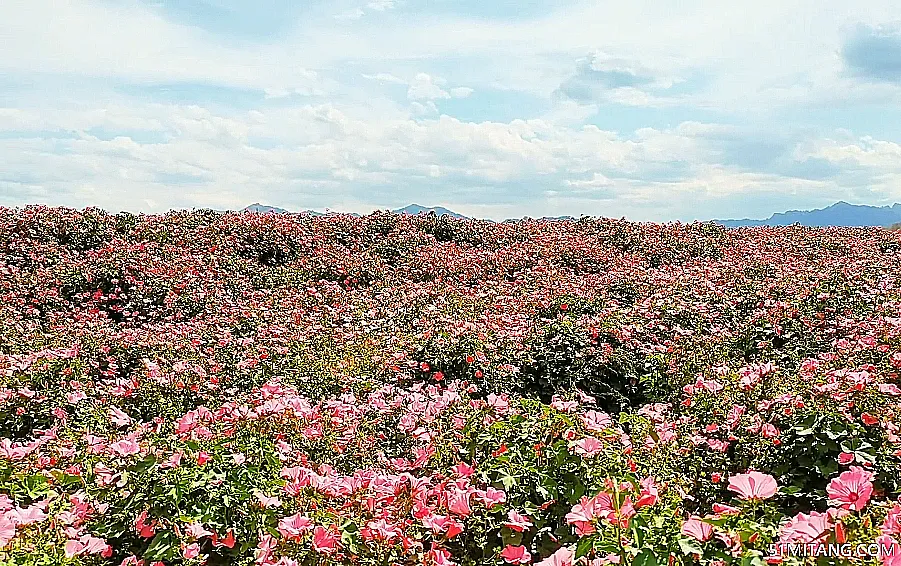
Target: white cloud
[[598, 180], [381, 5], [461, 92], [864, 152], [360, 11], [352, 14], [425, 108], [326, 154], [426, 87], [385, 77]]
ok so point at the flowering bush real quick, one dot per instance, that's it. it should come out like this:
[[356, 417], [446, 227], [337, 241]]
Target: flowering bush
[[207, 388]]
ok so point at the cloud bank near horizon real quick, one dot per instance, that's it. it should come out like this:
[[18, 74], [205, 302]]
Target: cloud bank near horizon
[[492, 109]]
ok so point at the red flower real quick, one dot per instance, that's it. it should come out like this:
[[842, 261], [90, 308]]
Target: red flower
[[516, 555]]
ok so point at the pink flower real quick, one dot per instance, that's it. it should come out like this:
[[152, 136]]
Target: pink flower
[[721, 509], [516, 555], [562, 405], [263, 553], [125, 447], [626, 512], [382, 530], [76, 396], [463, 470], [118, 417], [87, 545], [649, 493], [294, 526], [892, 523], [27, 515], [72, 548], [584, 513], [889, 389], [517, 522], [458, 502], [845, 458], [588, 446], [889, 551], [868, 419], [491, 497], [324, 541], [753, 485], [596, 421], [582, 517], [143, 528], [851, 489], [806, 528], [7, 531], [697, 529], [499, 403], [191, 551], [202, 458], [563, 557], [266, 501], [173, 461], [196, 530], [440, 557]]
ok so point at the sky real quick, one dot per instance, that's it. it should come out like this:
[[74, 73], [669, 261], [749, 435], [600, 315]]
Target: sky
[[653, 110]]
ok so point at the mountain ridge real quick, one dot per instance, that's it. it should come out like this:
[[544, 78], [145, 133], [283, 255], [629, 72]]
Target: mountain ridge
[[842, 214], [412, 209]]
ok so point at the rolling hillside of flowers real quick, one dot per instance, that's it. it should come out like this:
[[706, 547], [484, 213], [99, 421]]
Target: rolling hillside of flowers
[[207, 388]]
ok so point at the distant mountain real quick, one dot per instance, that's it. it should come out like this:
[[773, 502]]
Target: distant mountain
[[263, 209], [411, 209], [542, 219], [839, 214], [415, 209]]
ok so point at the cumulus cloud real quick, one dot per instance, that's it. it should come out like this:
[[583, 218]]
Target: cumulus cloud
[[325, 155], [381, 5], [596, 180], [426, 87], [461, 92], [352, 14], [385, 77], [360, 11], [866, 152], [601, 77]]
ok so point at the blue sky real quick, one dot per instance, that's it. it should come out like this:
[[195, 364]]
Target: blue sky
[[647, 109]]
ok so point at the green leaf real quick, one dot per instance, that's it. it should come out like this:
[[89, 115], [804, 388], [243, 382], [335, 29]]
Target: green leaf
[[585, 545], [508, 481], [144, 464], [690, 546], [865, 457], [162, 547], [645, 558]]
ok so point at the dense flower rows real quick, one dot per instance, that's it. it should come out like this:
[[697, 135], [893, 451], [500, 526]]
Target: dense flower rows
[[205, 388]]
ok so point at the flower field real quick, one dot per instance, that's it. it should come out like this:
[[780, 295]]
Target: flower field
[[208, 388]]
